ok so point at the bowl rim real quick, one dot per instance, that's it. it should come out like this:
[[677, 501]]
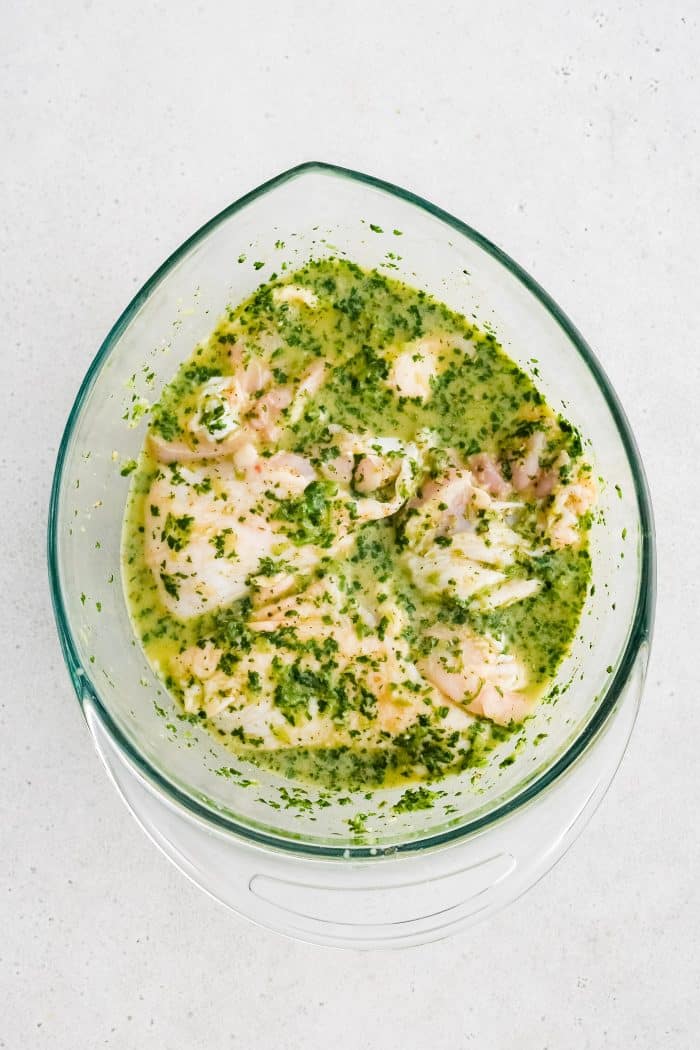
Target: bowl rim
[[642, 622]]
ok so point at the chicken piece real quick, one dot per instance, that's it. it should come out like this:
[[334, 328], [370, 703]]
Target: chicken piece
[[265, 588], [193, 668], [444, 506], [197, 662], [386, 668], [309, 384], [214, 428], [241, 699], [533, 473], [311, 610], [487, 474], [321, 611], [207, 529], [181, 451], [440, 571], [412, 371], [243, 694], [475, 672], [244, 456], [220, 405], [199, 547], [507, 592], [459, 541], [251, 370], [208, 688], [266, 415], [267, 341], [455, 510], [501, 707], [374, 472], [368, 465], [243, 408], [455, 571], [570, 500], [565, 491], [296, 295], [286, 474], [416, 364]]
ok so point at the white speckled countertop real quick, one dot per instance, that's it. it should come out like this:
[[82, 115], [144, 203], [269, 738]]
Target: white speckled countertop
[[569, 135]]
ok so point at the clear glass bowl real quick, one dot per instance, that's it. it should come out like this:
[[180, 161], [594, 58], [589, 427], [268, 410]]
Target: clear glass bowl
[[213, 825]]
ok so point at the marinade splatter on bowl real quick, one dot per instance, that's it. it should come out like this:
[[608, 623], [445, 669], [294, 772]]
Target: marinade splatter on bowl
[[356, 542]]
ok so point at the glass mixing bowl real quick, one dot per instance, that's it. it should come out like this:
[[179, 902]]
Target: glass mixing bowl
[[355, 872]]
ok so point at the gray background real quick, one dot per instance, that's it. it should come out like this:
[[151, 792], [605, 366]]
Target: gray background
[[569, 135]]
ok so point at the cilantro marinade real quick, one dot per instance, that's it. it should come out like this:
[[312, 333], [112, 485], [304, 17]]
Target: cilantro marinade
[[356, 541]]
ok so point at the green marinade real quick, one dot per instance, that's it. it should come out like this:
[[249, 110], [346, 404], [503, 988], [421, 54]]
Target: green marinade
[[478, 404]]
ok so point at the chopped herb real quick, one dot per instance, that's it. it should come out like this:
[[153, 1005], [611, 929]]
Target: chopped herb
[[415, 798]]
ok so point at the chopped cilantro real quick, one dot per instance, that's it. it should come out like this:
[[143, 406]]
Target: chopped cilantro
[[415, 798], [309, 516], [176, 531]]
